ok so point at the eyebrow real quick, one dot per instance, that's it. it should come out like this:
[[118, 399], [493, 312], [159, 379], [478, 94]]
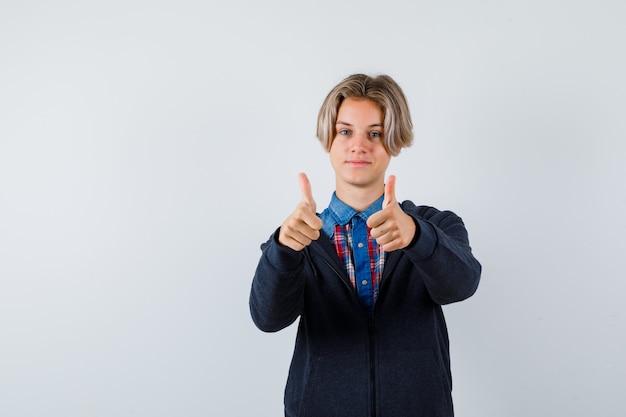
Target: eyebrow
[[339, 122]]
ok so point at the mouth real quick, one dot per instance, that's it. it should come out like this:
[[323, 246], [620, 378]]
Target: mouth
[[358, 163]]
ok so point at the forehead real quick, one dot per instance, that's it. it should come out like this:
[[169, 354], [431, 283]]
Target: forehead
[[359, 111]]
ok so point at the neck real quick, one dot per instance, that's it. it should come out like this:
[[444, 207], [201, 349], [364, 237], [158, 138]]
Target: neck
[[359, 198]]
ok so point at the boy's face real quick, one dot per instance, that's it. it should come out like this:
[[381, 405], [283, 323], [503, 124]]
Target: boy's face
[[357, 153]]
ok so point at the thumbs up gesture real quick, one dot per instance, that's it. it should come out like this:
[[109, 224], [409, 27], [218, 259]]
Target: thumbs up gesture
[[302, 226], [392, 228]]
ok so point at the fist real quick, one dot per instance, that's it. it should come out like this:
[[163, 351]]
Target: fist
[[302, 226], [392, 228]]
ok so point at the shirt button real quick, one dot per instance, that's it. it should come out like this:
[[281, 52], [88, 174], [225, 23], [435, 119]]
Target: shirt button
[[364, 282], [360, 245]]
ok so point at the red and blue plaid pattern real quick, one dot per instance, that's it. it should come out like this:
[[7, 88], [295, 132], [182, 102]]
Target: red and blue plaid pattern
[[344, 247]]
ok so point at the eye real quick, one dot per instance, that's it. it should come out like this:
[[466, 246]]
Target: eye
[[375, 135], [343, 132]]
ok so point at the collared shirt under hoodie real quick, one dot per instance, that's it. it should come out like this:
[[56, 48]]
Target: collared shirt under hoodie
[[361, 255]]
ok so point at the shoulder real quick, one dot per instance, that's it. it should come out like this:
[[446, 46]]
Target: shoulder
[[429, 213]]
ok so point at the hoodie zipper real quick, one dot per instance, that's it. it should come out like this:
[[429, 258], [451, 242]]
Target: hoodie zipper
[[371, 334], [371, 341]]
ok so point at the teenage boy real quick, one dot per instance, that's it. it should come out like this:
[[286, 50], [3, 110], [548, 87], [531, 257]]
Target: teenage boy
[[368, 276]]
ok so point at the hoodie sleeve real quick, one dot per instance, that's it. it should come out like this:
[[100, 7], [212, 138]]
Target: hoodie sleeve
[[277, 293], [441, 252]]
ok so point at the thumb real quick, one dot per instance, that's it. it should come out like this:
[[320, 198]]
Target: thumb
[[390, 191], [305, 189]]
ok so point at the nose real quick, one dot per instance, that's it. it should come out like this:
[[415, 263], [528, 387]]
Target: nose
[[360, 141]]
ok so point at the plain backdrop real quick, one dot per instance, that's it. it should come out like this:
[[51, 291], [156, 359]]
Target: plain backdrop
[[148, 148]]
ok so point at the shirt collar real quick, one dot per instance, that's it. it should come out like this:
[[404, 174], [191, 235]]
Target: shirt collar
[[343, 213]]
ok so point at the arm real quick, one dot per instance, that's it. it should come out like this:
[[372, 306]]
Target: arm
[[435, 241], [441, 251], [276, 297], [277, 293]]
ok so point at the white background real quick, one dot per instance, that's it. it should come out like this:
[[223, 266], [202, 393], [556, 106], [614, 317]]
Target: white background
[[147, 149]]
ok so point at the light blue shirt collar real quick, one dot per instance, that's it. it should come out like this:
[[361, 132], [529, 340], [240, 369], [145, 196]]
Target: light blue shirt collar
[[339, 213]]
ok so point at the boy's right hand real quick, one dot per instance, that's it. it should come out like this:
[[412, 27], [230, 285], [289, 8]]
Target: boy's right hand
[[302, 226]]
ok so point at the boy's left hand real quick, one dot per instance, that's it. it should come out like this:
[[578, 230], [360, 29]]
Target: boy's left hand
[[392, 228]]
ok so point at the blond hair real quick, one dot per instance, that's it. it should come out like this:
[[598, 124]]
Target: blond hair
[[382, 90]]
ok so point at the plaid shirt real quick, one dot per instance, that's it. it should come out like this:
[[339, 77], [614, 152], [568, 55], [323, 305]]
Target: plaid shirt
[[362, 257]]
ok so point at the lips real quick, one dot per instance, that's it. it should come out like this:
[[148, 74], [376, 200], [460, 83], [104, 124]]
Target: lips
[[358, 163]]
